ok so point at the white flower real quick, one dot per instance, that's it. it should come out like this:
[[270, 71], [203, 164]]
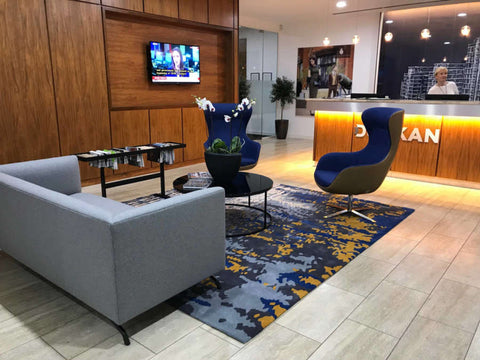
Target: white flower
[[227, 118], [245, 101], [204, 104]]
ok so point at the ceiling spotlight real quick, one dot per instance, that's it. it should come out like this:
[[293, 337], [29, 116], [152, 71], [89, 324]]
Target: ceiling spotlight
[[326, 41], [425, 34], [389, 22], [423, 60], [356, 39], [446, 43], [388, 37], [462, 14], [341, 4], [465, 30], [444, 59]]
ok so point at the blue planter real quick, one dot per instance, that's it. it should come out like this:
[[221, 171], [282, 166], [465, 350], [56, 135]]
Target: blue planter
[[223, 167]]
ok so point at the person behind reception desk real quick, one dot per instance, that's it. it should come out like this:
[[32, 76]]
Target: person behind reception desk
[[333, 82], [177, 60], [442, 87]]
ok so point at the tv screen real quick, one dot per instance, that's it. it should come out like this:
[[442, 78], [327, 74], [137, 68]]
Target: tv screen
[[173, 63]]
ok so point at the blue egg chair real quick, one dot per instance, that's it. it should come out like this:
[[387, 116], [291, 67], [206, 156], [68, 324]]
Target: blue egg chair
[[218, 128], [362, 172]]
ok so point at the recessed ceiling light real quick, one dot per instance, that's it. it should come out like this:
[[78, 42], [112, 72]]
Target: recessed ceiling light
[[462, 14], [389, 22], [446, 43], [341, 4]]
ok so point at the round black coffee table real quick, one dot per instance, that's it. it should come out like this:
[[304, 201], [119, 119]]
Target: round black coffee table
[[244, 184]]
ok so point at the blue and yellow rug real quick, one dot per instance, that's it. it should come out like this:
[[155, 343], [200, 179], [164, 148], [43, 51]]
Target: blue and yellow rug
[[266, 273]]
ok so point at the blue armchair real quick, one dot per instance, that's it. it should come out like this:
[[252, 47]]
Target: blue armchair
[[218, 128], [362, 172]]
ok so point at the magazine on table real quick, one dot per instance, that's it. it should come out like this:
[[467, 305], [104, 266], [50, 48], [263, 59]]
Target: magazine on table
[[200, 175], [197, 183]]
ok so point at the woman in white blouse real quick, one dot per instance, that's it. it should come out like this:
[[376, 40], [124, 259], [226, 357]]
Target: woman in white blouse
[[443, 86]]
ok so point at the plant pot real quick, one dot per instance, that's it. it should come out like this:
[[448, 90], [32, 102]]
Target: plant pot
[[223, 167], [281, 128]]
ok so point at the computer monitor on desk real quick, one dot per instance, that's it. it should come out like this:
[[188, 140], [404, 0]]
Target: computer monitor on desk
[[453, 97]]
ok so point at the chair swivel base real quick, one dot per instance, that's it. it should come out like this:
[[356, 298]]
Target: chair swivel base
[[348, 209]]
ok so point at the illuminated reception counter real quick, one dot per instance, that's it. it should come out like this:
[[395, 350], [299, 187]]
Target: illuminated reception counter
[[438, 139]]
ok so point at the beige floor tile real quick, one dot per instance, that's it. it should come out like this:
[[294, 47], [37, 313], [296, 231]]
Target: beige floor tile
[[277, 343], [166, 331], [198, 345], [11, 281], [465, 269], [440, 247], [413, 228], [457, 223], [389, 308], [429, 340], [36, 322], [390, 248], [320, 312], [114, 349], [222, 336], [472, 245], [354, 341], [474, 350], [4, 314], [79, 335], [7, 264], [32, 350], [361, 275], [454, 304], [29, 297], [418, 272]]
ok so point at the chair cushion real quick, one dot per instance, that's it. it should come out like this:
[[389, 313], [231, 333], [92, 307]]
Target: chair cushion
[[325, 177]]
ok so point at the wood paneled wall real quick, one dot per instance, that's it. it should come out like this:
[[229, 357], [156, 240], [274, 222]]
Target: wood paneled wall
[[74, 73], [28, 124], [127, 43]]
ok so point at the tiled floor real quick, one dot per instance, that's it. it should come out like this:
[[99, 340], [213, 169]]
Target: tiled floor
[[415, 294]]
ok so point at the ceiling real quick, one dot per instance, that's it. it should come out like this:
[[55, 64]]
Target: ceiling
[[285, 12]]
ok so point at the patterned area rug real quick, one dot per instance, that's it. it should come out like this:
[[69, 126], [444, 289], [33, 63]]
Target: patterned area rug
[[266, 273]]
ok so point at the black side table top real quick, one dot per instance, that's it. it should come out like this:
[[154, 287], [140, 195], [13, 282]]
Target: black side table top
[[244, 184]]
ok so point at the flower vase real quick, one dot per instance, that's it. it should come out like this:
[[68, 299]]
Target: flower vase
[[223, 167]]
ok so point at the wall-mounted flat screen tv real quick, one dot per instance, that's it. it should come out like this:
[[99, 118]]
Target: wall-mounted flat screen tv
[[173, 63]]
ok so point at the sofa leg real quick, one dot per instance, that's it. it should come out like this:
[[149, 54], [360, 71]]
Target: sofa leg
[[217, 283], [122, 331]]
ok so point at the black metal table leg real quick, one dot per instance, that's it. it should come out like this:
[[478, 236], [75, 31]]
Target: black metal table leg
[[162, 179], [265, 211], [102, 179]]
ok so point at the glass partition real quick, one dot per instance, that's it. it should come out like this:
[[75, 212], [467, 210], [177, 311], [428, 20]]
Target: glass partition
[[258, 70]]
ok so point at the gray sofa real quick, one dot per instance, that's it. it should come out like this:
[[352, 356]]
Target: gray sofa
[[117, 259]]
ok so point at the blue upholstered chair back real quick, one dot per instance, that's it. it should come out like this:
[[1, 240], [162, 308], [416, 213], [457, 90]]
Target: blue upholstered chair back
[[363, 171], [218, 128]]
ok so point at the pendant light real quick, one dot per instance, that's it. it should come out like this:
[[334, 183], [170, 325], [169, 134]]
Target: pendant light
[[425, 33], [465, 30], [388, 36], [356, 39], [326, 41]]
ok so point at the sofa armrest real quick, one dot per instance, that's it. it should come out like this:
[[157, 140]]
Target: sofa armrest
[[60, 174], [165, 247]]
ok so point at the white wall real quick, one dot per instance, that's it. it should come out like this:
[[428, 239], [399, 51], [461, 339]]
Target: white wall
[[340, 30]]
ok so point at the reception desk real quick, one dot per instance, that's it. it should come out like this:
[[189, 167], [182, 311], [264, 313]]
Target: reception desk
[[438, 139]]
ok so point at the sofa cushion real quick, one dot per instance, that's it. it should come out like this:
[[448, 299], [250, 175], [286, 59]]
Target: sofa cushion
[[109, 205]]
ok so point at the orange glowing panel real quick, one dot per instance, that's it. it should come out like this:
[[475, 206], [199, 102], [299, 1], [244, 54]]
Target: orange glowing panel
[[333, 132], [459, 156]]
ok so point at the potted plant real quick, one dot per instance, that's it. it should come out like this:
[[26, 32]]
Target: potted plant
[[283, 90], [222, 160]]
